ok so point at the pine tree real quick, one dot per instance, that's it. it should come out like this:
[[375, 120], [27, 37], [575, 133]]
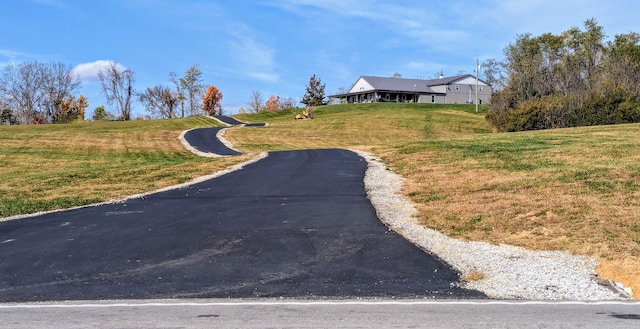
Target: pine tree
[[315, 93]]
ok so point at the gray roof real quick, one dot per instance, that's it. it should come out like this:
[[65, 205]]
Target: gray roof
[[418, 85]]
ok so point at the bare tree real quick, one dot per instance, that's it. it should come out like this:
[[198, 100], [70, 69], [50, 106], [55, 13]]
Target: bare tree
[[59, 84], [117, 86], [35, 89], [493, 72], [256, 103], [173, 77], [160, 101], [22, 89], [192, 85], [287, 103]]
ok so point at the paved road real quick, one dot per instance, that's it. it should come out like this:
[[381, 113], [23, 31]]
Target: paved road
[[228, 120], [206, 140], [322, 314], [235, 122], [296, 224]]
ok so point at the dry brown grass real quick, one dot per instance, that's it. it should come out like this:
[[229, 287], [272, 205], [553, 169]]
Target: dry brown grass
[[59, 166], [573, 189], [570, 189], [580, 195]]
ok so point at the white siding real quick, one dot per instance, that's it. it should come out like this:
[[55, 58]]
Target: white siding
[[360, 86], [468, 81]]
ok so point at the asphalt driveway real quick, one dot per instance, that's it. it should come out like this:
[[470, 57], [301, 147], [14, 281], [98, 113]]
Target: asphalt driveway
[[296, 224], [206, 140]]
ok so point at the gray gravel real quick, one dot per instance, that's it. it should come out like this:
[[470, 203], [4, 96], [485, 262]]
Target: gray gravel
[[509, 272]]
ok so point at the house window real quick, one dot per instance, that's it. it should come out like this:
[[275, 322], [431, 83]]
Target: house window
[[480, 88], [457, 87], [433, 98]]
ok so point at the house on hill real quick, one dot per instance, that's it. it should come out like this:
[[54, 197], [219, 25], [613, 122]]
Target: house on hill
[[460, 89]]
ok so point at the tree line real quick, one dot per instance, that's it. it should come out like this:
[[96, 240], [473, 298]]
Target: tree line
[[39, 93], [574, 78], [187, 97], [314, 96], [35, 93]]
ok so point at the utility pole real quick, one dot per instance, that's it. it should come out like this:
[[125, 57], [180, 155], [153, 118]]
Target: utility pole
[[477, 69]]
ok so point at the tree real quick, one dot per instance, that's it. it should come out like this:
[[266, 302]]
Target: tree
[[622, 63], [255, 103], [99, 113], [7, 117], [22, 89], [35, 89], [211, 101], [396, 75], [191, 84], [59, 84], [493, 73], [117, 86], [70, 110], [315, 93], [570, 79], [273, 103], [287, 103], [173, 77], [159, 101]]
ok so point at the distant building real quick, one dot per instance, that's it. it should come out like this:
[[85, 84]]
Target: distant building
[[459, 89]]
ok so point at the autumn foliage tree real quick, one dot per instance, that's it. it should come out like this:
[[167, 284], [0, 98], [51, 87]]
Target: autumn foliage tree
[[272, 104], [71, 109], [211, 101]]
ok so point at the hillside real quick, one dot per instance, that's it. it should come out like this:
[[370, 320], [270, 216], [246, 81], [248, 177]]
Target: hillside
[[566, 189], [47, 167]]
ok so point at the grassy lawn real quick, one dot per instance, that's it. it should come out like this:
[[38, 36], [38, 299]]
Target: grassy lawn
[[569, 189], [47, 167]]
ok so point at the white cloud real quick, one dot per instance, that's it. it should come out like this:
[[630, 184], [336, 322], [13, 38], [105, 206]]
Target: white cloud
[[12, 57], [252, 58], [89, 71], [421, 23]]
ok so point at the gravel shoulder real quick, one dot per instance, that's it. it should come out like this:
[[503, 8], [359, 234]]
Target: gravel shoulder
[[508, 272]]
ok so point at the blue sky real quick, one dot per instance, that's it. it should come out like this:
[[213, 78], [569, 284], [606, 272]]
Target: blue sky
[[274, 46]]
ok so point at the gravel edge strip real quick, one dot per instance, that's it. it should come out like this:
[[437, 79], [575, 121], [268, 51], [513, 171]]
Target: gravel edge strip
[[508, 272]]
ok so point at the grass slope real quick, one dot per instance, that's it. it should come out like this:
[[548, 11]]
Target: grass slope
[[569, 189], [48, 167]]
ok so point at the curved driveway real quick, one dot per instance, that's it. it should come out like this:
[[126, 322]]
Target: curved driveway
[[206, 140], [296, 224]]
